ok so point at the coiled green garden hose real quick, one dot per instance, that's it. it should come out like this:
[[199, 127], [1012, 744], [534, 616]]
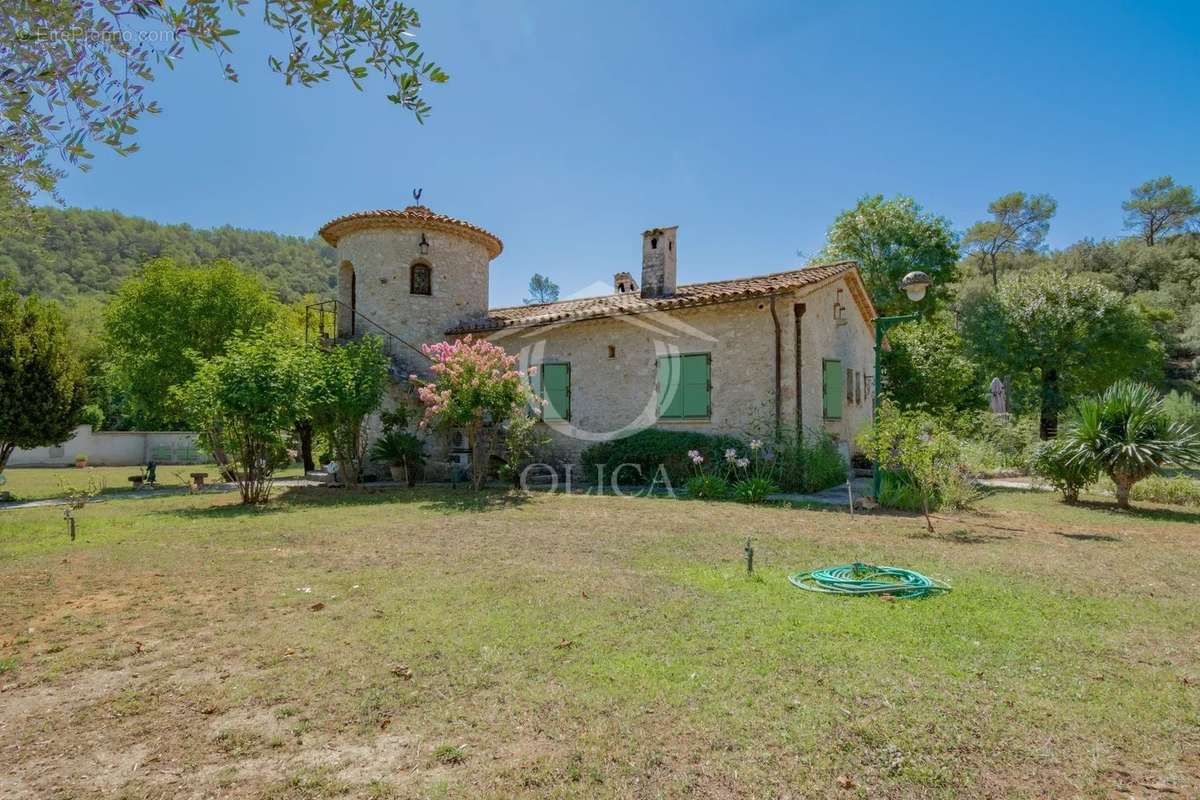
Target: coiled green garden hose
[[858, 579]]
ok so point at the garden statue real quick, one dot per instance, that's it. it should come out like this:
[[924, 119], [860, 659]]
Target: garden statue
[[999, 401]]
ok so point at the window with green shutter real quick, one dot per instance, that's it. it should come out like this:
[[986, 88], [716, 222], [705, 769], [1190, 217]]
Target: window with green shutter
[[554, 387], [833, 384], [685, 386]]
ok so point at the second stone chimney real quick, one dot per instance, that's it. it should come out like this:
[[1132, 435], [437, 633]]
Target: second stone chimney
[[623, 283], [658, 262]]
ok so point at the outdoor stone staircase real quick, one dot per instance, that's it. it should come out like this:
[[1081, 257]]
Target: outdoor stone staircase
[[325, 323]]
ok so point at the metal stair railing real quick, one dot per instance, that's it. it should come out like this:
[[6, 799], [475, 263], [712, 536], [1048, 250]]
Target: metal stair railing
[[321, 326]]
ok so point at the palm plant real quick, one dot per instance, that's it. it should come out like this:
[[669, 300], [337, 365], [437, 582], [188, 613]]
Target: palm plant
[[1127, 433], [401, 450]]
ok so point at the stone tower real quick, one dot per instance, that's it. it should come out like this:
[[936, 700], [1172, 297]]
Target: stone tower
[[658, 262], [412, 274]]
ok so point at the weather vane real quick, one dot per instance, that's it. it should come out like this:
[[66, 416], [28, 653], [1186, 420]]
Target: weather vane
[[417, 196]]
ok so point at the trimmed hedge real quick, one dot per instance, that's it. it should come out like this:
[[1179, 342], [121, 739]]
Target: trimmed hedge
[[650, 447]]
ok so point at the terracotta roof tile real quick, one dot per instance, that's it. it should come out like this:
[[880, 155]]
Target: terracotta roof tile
[[686, 296], [411, 217]]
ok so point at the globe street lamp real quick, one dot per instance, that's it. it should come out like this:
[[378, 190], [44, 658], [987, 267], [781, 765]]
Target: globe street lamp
[[914, 285]]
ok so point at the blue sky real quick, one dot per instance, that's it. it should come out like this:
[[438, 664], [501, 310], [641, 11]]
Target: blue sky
[[568, 128]]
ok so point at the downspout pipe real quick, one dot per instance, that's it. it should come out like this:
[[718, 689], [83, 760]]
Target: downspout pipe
[[778, 368]]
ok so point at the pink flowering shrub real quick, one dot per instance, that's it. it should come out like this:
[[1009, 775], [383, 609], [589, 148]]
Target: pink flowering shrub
[[475, 384]]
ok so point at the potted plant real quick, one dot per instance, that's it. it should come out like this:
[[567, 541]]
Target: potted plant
[[402, 452], [80, 460]]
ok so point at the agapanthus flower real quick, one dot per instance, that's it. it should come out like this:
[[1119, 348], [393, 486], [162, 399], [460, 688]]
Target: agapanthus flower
[[755, 444], [730, 454], [743, 463], [697, 459]]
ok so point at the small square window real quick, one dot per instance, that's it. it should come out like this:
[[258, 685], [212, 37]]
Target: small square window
[[612, 351]]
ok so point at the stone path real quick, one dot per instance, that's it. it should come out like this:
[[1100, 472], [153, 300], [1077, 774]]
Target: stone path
[[834, 496]]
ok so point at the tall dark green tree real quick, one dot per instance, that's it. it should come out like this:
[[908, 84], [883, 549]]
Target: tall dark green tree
[[1019, 223], [41, 380], [1059, 336], [890, 238], [1158, 206]]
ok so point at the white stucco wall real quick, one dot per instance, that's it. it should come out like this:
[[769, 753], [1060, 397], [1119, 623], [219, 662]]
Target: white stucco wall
[[114, 448]]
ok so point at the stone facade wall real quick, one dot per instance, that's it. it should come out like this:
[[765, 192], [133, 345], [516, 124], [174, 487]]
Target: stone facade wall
[[615, 394], [822, 338], [382, 260]]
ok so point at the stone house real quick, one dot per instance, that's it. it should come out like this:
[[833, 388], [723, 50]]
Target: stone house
[[790, 349]]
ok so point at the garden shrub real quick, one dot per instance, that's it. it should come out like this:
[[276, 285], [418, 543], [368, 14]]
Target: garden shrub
[[1181, 407], [996, 442], [959, 492], [1054, 462], [896, 490], [1176, 490], [920, 448], [707, 487], [651, 447], [524, 442], [809, 465], [754, 489]]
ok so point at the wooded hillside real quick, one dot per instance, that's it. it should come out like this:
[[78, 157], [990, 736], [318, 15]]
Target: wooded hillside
[[84, 252]]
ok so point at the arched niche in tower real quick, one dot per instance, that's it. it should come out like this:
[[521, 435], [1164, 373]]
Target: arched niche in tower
[[420, 278]]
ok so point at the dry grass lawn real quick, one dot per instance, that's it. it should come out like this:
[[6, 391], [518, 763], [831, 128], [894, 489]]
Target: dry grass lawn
[[440, 644]]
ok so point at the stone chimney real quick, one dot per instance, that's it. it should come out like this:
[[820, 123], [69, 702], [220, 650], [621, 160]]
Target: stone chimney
[[658, 262], [623, 283]]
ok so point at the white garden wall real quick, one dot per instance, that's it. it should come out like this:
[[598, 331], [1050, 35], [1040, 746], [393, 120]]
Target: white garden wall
[[115, 448]]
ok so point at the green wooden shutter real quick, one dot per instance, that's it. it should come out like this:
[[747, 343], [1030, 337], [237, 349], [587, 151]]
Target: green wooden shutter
[[833, 385], [556, 391], [695, 385], [670, 395]]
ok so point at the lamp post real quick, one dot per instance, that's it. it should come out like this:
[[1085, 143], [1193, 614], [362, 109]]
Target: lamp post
[[914, 285]]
